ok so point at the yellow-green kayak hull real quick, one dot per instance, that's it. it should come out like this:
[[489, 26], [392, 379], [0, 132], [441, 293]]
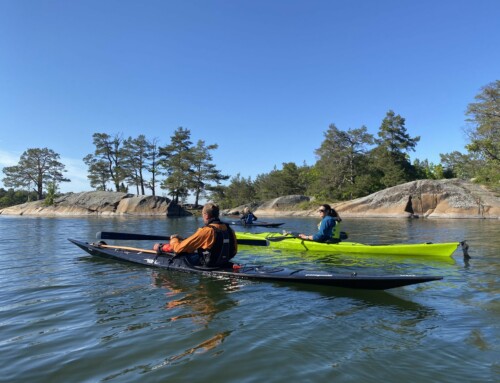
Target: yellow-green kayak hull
[[280, 241]]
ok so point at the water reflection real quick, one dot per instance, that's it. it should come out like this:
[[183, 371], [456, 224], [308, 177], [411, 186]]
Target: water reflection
[[199, 298], [203, 347]]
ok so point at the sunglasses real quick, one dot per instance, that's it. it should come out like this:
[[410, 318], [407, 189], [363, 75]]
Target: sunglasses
[[321, 211]]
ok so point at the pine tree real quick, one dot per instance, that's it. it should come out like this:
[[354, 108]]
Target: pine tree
[[36, 166]]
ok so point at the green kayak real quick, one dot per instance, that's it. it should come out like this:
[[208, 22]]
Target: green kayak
[[290, 242]]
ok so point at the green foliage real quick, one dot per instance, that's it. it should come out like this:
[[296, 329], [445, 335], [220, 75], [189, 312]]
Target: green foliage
[[394, 137], [13, 197], [189, 168], [458, 165], [204, 172], [340, 162], [482, 162], [107, 163], [390, 157], [51, 194], [287, 181], [239, 191], [98, 172], [152, 164], [37, 167], [484, 133], [426, 170], [485, 119], [137, 152], [177, 159]]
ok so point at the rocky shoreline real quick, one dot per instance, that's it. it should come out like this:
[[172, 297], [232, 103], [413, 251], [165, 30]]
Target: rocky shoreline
[[451, 198], [430, 199], [101, 204]]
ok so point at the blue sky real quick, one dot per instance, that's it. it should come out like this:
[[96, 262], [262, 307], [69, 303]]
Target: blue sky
[[262, 79]]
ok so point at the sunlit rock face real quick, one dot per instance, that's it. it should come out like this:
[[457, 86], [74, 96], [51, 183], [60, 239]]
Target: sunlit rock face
[[430, 198], [99, 203], [451, 198]]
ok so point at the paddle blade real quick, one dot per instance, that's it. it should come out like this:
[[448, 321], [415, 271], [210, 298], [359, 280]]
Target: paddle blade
[[130, 236], [252, 242]]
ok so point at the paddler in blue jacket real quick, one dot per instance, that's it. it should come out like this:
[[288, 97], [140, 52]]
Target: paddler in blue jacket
[[248, 217], [328, 228]]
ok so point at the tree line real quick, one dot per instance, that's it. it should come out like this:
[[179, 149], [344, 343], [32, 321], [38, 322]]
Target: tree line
[[180, 167], [350, 163]]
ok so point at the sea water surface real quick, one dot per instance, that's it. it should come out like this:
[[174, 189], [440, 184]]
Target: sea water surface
[[68, 317]]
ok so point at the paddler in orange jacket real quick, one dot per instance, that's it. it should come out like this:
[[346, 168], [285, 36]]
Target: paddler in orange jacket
[[215, 242]]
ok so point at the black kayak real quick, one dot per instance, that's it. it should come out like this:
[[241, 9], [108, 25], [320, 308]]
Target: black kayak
[[180, 263], [256, 224]]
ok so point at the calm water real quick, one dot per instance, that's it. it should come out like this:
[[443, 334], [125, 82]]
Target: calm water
[[68, 317]]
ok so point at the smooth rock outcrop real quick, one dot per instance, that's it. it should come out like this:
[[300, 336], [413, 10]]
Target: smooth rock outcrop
[[99, 203], [430, 198], [450, 198]]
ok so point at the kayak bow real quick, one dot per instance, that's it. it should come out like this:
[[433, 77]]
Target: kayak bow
[[255, 272]]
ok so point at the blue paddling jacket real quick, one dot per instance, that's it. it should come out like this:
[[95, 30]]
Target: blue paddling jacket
[[248, 218], [327, 229]]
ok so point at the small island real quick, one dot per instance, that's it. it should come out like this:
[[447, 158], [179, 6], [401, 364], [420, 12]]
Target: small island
[[447, 198]]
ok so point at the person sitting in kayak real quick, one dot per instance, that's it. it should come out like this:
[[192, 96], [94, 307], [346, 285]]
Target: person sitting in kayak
[[248, 217], [328, 228], [214, 244]]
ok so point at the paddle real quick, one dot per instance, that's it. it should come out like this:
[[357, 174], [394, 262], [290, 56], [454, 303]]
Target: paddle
[[252, 242], [289, 235], [128, 248], [286, 235], [265, 242], [130, 236], [139, 237]]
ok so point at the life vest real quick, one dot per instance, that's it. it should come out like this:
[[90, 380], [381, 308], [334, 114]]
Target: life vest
[[221, 252], [336, 231], [337, 234]]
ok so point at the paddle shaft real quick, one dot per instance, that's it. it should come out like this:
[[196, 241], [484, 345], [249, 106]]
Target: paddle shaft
[[128, 248], [264, 242]]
